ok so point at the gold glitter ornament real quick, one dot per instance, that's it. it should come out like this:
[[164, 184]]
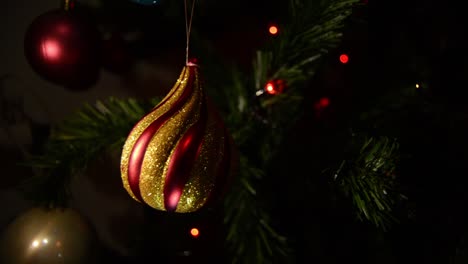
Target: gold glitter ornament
[[180, 156], [49, 236]]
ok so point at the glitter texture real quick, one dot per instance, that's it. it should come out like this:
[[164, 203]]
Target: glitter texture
[[184, 112]]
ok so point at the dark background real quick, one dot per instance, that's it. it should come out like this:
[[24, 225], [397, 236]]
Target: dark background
[[392, 46]]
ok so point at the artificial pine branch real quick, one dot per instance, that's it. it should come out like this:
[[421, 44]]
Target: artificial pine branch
[[78, 140], [260, 132], [294, 57], [367, 177], [311, 34], [257, 128], [250, 237]]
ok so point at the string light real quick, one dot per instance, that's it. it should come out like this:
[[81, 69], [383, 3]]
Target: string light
[[344, 58], [273, 30], [321, 104], [194, 232], [275, 86], [324, 102], [270, 88]]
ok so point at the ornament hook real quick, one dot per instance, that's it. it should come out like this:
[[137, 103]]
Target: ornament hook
[[188, 28]]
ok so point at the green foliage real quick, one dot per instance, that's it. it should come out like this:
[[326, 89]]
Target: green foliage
[[78, 140], [310, 34], [294, 57], [250, 237], [258, 125], [367, 177]]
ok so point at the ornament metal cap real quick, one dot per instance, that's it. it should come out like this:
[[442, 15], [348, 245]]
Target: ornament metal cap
[[192, 62]]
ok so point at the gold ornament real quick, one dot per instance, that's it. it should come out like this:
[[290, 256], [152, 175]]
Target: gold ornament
[[180, 156], [48, 236]]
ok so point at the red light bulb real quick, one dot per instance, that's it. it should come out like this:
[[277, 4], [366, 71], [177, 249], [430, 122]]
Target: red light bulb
[[344, 58], [275, 86], [270, 88], [321, 104], [324, 102]]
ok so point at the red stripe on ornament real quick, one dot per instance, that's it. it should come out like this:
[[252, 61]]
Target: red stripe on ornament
[[141, 145], [183, 160]]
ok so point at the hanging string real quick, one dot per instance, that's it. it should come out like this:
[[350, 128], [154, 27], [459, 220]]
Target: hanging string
[[68, 4], [188, 27]]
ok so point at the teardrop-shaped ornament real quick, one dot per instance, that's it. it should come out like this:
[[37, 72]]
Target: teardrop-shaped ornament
[[179, 157]]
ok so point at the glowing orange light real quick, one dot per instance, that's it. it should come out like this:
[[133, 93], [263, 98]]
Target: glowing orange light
[[344, 58], [270, 88], [194, 232], [273, 30], [417, 86]]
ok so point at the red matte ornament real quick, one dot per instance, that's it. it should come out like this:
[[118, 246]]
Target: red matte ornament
[[63, 47]]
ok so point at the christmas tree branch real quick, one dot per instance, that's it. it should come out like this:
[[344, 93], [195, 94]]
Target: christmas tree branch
[[96, 128], [315, 31], [250, 237], [258, 126], [260, 123], [367, 177], [294, 57], [77, 141]]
